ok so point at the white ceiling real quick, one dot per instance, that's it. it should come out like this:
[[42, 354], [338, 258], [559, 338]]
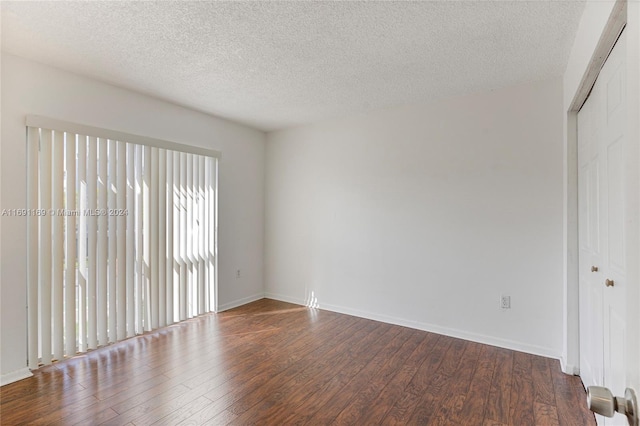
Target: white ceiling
[[278, 64]]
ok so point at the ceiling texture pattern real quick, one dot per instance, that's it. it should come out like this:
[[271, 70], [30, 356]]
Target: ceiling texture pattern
[[273, 65]]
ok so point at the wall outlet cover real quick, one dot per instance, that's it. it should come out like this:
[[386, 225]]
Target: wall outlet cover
[[505, 302]]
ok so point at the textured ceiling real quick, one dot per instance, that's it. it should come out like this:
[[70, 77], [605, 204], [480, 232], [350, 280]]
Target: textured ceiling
[[279, 64]]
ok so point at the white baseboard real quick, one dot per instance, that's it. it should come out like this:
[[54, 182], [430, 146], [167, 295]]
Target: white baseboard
[[569, 368], [14, 376], [283, 298], [433, 328], [240, 302]]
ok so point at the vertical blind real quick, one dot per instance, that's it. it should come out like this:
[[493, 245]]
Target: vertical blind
[[122, 236]]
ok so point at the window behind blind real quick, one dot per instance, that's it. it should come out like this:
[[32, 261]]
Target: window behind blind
[[122, 235]]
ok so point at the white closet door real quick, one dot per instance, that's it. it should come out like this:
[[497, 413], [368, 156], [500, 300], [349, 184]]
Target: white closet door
[[601, 205]]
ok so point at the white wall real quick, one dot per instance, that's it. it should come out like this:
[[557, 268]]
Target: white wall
[[30, 88], [424, 216]]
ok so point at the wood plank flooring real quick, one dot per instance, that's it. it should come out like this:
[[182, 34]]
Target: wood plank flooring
[[274, 363]]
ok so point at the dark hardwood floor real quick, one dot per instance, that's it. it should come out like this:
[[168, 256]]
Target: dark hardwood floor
[[274, 363]]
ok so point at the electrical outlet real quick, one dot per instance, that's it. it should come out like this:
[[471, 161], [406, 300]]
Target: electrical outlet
[[505, 302], [238, 273]]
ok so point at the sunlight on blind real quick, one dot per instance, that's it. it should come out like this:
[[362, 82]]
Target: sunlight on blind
[[121, 240]]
